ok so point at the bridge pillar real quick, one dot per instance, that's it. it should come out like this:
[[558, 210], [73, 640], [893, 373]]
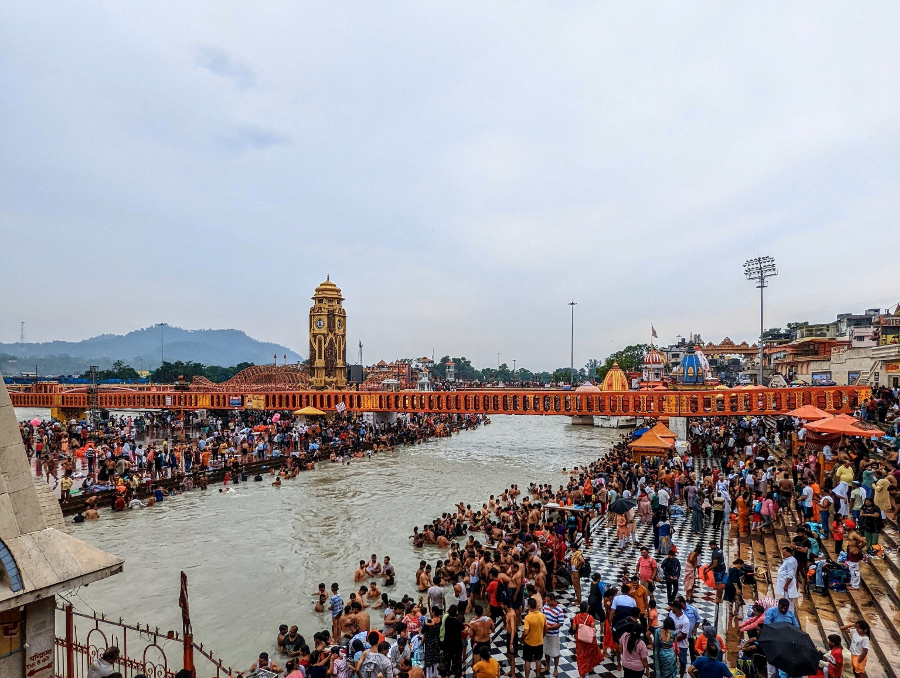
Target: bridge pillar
[[679, 426], [582, 420]]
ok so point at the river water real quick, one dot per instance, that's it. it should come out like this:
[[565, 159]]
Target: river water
[[255, 557]]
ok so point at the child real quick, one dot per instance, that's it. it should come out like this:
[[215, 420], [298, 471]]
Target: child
[[834, 660], [859, 646], [837, 532], [652, 615]]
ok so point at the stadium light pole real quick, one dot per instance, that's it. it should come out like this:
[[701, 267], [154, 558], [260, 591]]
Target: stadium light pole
[[759, 270]]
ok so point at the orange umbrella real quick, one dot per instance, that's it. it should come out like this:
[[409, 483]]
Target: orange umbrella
[[846, 425], [809, 413]]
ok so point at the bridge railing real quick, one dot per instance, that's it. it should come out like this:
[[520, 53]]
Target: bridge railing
[[835, 399]]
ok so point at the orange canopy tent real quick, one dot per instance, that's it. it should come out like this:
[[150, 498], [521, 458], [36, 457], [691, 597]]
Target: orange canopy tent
[[651, 441], [845, 425], [663, 431], [650, 445], [809, 413]]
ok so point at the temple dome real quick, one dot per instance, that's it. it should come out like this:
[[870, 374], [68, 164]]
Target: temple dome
[[328, 289], [615, 379], [654, 358], [587, 387]]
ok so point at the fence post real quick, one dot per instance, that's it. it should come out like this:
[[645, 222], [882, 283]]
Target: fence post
[[188, 654], [70, 642]]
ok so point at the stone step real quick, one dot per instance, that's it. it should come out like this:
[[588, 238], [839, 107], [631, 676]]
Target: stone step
[[847, 609]]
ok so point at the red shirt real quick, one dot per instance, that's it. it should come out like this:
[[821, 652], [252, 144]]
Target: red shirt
[[492, 593]]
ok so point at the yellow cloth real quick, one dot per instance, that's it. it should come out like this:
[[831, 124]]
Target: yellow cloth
[[535, 623], [882, 499], [487, 669], [844, 474]]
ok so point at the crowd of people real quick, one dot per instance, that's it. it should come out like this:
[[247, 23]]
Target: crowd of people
[[125, 454], [510, 560]]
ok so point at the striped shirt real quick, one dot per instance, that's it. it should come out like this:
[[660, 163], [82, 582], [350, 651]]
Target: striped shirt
[[554, 615]]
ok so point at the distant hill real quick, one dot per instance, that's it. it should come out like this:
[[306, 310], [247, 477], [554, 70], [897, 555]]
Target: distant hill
[[210, 347]]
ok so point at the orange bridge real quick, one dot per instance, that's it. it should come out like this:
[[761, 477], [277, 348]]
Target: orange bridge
[[767, 401]]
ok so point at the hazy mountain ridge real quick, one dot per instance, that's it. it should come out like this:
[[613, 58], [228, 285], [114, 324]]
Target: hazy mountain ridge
[[141, 348]]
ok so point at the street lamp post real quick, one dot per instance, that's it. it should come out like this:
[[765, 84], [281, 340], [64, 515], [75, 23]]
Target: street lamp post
[[514, 371], [572, 304], [759, 270]]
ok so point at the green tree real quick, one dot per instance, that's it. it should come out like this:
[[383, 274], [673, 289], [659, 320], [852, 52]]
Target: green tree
[[794, 328], [629, 358], [592, 366], [563, 375], [119, 370], [168, 373]]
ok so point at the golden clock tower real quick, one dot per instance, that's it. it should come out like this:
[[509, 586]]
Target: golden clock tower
[[328, 338]]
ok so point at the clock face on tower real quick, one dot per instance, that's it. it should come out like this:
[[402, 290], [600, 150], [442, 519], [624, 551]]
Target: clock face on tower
[[340, 324], [320, 323]]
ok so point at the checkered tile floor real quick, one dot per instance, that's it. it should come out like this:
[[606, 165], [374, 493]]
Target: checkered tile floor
[[613, 564]]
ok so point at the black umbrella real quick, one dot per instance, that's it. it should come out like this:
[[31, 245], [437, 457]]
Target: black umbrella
[[787, 648], [622, 505]]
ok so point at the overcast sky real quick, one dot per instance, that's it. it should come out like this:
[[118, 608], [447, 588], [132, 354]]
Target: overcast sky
[[461, 170]]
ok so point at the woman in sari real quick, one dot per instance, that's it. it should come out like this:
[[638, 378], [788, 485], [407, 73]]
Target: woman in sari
[[609, 643], [644, 508], [696, 515], [743, 515], [665, 658], [690, 573], [622, 529], [587, 653]]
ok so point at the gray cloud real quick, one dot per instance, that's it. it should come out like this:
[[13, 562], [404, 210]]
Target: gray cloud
[[461, 170], [219, 61]]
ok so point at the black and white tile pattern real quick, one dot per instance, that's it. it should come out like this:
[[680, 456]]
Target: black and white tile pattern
[[614, 565]]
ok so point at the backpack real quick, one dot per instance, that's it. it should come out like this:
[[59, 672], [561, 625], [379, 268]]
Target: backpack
[[503, 593], [585, 570]]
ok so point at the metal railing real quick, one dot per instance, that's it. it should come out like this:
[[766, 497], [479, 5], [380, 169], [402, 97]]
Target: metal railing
[[142, 648]]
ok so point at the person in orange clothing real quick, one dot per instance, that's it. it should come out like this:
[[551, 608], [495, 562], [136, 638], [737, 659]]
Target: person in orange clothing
[[703, 640], [743, 515]]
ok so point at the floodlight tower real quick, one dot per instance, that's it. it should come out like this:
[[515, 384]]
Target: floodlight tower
[[759, 270]]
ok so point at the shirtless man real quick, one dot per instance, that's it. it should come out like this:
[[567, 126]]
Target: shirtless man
[[361, 617], [442, 541], [481, 628], [539, 579], [423, 580], [517, 585], [374, 592], [92, 514], [510, 622], [360, 573]]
